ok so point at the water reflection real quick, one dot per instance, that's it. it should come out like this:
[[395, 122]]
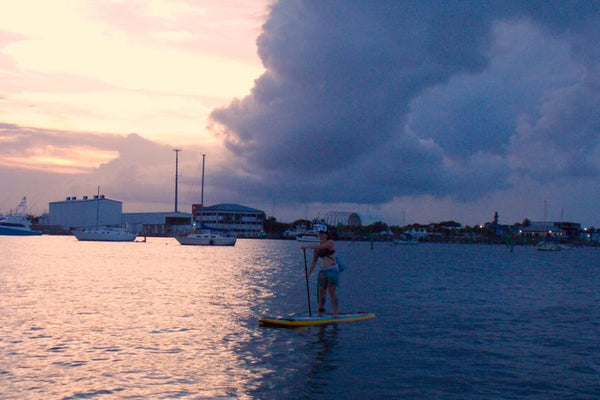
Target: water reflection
[[160, 320], [325, 362], [151, 319]]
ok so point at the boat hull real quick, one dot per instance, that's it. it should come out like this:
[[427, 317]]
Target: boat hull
[[18, 232], [104, 236], [310, 239], [206, 241], [406, 242]]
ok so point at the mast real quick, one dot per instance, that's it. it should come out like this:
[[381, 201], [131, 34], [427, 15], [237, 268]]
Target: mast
[[202, 191], [176, 174], [98, 208]]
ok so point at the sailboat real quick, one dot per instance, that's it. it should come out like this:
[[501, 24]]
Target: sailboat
[[105, 233], [206, 236]]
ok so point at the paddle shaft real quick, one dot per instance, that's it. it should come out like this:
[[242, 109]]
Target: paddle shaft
[[307, 289]]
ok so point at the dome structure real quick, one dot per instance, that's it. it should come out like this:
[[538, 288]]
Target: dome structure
[[346, 218]]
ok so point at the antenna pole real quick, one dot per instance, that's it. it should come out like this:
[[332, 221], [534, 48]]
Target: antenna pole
[[202, 192], [176, 174], [98, 208]]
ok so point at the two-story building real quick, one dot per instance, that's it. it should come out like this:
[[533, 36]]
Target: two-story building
[[240, 220]]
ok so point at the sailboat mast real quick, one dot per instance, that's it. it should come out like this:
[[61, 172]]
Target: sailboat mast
[[202, 191], [176, 174], [98, 208]]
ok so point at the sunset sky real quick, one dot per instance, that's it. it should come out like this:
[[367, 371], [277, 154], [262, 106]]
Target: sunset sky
[[413, 111]]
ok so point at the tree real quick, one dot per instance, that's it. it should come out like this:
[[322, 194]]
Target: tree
[[271, 226]]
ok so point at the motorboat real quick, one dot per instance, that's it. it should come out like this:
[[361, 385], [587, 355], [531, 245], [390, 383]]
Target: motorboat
[[308, 237], [311, 235], [206, 239], [16, 224], [103, 234], [406, 242]]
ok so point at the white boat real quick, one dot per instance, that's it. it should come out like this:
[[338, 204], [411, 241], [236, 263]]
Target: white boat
[[16, 224], [548, 246], [104, 234], [206, 239], [309, 236], [407, 242]]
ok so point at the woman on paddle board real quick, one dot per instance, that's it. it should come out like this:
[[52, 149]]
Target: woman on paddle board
[[329, 274]]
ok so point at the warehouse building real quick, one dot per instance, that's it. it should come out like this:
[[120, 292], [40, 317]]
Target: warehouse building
[[85, 212]]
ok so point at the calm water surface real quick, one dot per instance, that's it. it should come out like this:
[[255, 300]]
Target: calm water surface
[[159, 320]]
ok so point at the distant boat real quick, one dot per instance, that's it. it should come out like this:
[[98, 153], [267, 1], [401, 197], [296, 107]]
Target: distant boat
[[406, 239], [16, 224], [206, 239], [548, 246], [309, 236], [410, 242], [103, 234]]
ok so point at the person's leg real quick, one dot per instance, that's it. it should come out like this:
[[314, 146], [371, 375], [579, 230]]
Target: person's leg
[[322, 287], [334, 299]]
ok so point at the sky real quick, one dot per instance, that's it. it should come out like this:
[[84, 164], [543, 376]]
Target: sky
[[413, 111]]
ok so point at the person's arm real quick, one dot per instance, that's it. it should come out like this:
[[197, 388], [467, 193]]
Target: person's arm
[[313, 264], [325, 245]]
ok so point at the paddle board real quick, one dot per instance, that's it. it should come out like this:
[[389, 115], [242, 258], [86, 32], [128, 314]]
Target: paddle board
[[305, 320]]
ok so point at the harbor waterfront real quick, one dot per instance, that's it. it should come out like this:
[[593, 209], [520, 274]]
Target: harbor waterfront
[[160, 320]]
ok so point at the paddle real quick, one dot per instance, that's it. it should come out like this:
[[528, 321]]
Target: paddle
[[306, 277]]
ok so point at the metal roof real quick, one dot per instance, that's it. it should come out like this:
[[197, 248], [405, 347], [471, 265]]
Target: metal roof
[[230, 208]]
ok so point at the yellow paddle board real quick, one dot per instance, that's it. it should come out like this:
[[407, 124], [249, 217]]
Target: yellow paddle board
[[299, 321]]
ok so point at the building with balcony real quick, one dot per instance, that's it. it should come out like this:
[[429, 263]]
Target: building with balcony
[[239, 220]]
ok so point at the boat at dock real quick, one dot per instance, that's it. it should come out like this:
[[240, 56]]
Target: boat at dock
[[206, 238], [17, 224], [311, 235], [103, 234]]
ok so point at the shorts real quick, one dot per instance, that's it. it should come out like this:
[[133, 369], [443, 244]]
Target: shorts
[[329, 277]]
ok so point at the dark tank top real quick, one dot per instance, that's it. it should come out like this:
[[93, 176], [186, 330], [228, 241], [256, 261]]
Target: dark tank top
[[325, 253]]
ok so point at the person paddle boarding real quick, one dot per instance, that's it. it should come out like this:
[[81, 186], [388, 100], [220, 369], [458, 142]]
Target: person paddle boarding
[[329, 273]]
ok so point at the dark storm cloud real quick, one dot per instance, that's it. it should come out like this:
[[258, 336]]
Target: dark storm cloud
[[367, 101]]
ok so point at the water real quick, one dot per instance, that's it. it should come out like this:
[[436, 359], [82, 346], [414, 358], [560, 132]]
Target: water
[[84, 320]]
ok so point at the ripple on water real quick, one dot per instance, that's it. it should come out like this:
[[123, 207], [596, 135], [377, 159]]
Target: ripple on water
[[160, 320]]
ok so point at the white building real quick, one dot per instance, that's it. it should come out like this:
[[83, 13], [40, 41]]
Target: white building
[[240, 220], [542, 230], [85, 212]]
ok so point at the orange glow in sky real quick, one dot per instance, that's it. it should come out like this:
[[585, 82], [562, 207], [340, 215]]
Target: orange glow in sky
[[66, 160], [156, 67]]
